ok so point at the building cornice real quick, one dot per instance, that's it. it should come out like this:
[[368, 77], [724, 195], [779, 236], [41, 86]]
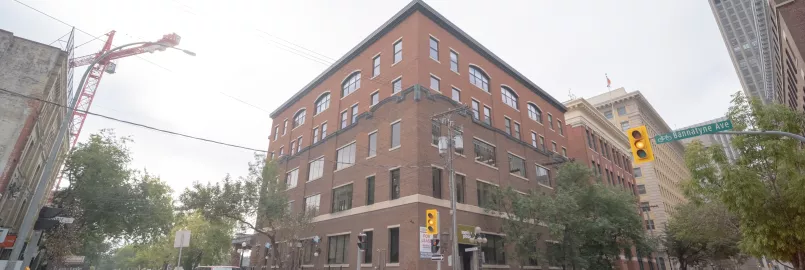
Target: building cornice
[[597, 119]]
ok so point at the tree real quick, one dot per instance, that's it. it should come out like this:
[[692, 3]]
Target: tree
[[592, 223], [257, 201], [765, 187], [109, 200], [699, 234]]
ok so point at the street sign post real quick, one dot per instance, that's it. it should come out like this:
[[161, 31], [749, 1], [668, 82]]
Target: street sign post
[[693, 132]]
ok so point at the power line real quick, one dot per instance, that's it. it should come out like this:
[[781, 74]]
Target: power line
[[134, 124]]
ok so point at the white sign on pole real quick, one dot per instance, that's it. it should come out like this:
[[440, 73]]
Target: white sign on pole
[[424, 244], [3, 234], [182, 239]]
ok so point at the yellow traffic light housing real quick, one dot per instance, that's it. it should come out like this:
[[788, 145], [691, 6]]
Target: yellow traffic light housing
[[432, 222], [640, 144]]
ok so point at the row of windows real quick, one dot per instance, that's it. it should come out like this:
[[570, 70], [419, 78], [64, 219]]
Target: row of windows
[[612, 179], [599, 145]]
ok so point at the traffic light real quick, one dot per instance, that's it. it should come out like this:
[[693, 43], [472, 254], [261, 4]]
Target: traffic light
[[640, 144], [362, 241], [434, 246], [432, 221]]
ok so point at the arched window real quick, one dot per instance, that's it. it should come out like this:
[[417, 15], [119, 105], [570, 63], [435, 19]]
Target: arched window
[[509, 97], [299, 118], [322, 103], [351, 84], [534, 113], [479, 78]]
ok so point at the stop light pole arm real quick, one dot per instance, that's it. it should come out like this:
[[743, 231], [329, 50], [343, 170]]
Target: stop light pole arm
[[766, 132]]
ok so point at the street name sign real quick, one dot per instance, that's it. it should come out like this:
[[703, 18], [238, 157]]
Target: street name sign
[[437, 257], [693, 132], [470, 249]]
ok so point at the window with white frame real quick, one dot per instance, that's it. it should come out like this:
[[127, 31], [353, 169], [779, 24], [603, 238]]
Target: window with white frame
[[344, 119], [315, 135], [398, 51], [624, 125], [517, 130], [487, 115], [456, 94], [396, 86], [475, 110], [453, 61], [533, 139], [376, 66], [543, 175], [484, 152], [434, 49], [395, 134], [434, 83], [323, 131], [354, 113], [516, 165], [351, 84], [291, 178], [560, 127], [372, 144], [509, 97], [342, 198], [374, 98], [534, 113], [316, 169], [345, 157], [322, 103], [550, 121], [479, 78], [312, 204]]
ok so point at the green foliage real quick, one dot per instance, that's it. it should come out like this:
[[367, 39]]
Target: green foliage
[[765, 188], [591, 222], [257, 201], [701, 234], [111, 201]]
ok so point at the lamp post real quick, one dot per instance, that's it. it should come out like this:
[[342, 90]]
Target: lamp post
[[41, 187], [478, 239], [242, 249]]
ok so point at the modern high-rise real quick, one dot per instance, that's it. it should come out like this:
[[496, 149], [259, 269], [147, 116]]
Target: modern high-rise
[[714, 139], [658, 182], [358, 148], [765, 41], [28, 127]]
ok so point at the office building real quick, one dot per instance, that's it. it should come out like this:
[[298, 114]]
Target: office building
[[358, 147]]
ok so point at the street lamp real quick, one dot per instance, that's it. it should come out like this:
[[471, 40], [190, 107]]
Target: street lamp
[[41, 189], [478, 239], [242, 249]]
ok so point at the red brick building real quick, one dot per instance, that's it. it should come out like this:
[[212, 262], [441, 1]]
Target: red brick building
[[357, 143]]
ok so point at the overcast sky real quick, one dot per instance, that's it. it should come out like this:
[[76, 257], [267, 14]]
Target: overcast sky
[[671, 51]]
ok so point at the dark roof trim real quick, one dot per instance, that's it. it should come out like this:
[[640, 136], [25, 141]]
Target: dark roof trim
[[419, 5]]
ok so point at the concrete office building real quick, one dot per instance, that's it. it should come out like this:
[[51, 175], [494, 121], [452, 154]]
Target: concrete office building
[[714, 139], [358, 147], [28, 127], [658, 182]]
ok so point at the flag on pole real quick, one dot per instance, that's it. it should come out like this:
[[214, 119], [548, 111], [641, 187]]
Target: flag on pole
[[609, 83]]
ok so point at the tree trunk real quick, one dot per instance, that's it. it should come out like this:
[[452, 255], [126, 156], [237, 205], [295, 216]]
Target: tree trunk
[[798, 260]]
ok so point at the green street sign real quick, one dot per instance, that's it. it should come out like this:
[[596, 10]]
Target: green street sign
[[693, 132]]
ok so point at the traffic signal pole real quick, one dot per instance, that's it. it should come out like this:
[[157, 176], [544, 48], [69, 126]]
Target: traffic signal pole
[[444, 118], [766, 132]]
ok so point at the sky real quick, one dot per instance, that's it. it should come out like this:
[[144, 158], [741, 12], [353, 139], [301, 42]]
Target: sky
[[254, 55]]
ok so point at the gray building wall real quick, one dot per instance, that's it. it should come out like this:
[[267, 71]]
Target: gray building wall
[[28, 127]]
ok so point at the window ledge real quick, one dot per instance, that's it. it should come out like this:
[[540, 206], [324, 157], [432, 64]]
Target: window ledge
[[543, 185], [532, 267], [307, 266], [314, 179], [392, 264], [395, 63], [373, 77], [366, 265], [356, 90], [395, 148], [487, 165], [353, 164], [370, 157], [495, 266], [437, 60], [526, 179], [337, 265], [456, 72]]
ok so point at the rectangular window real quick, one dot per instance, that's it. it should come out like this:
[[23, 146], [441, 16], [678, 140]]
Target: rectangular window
[[312, 205], [298, 144], [533, 139], [276, 132], [376, 64], [395, 134], [370, 190], [453, 61], [316, 169], [344, 119], [553, 147], [337, 249], [543, 176], [342, 198], [637, 172], [508, 123], [394, 245], [395, 184], [323, 131], [564, 152], [460, 184], [595, 143], [435, 132], [434, 49], [367, 256], [345, 157], [284, 127], [456, 95], [373, 144], [641, 189], [434, 83], [624, 125], [293, 147], [494, 250], [354, 113], [645, 206], [282, 151], [542, 143], [621, 111], [397, 51], [516, 165], [487, 115], [475, 110], [374, 98], [437, 182], [307, 254], [516, 130], [608, 114], [484, 194], [315, 135], [291, 178], [560, 127], [608, 175], [396, 86], [589, 139], [650, 226], [550, 121], [484, 153]]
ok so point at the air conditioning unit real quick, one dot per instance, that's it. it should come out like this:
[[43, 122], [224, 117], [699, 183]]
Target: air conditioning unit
[[443, 145]]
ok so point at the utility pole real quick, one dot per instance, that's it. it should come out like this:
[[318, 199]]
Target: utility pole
[[449, 144]]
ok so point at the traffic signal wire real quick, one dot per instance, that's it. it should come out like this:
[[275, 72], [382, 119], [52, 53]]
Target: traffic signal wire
[[132, 123]]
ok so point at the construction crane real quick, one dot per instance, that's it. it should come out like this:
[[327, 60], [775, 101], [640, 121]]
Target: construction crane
[[87, 93]]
